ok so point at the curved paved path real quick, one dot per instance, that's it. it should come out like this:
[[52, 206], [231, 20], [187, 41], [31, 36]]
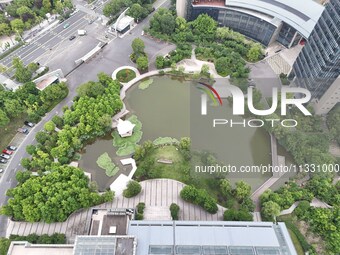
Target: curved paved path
[[155, 193]]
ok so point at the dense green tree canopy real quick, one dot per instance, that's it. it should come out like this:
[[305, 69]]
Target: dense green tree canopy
[[51, 197]]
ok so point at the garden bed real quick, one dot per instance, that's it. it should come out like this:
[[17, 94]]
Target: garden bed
[[125, 75]]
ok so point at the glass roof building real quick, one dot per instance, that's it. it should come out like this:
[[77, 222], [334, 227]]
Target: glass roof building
[[211, 238], [176, 238]]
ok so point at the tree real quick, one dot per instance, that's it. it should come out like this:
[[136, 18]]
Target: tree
[[255, 52], [90, 89], [137, 12], [221, 66], [270, 210], [13, 108], [58, 121], [113, 7], [225, 187], [205, 69], [4, 120], [181, 23], [133, 188], [31, 149], [142, 63], [32, 67], [46, 6], [163, 22], [185, 144], [4, 29], [302, 210], [25, 13], [56, 195], [22, 176], [138, 47], [242, 190], [204, 26], [159, 62], [49, 126], [17, 25]]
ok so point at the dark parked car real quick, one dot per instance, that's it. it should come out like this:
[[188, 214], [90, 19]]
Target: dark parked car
[[8, 152], [11, 148], [29, 124], [5, 156], [23, 130], [72, 37], [3, 161]]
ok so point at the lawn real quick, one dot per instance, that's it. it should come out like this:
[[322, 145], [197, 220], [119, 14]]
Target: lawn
[[179, 170], [7, 133], [170, 171], [125, 75]]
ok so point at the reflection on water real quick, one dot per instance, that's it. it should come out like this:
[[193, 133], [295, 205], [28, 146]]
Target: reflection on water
[[164, 110]]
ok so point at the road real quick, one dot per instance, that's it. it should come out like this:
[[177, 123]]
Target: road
[[114, 55], [49, 40]]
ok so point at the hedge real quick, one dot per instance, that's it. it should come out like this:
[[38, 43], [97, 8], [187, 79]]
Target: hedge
[[305, 245], [199, 197], [133, 188]]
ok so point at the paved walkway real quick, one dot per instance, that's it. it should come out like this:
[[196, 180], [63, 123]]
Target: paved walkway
[[276, 161], [156, 193]]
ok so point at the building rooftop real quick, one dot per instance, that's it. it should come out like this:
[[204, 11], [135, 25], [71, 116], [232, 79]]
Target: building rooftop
[[104, 245], [20, 248], [46, 82], [191, 237], [302, 15], [125, 127], [123, 23]]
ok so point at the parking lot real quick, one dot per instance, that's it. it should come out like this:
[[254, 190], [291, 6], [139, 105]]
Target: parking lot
[[16, 141]]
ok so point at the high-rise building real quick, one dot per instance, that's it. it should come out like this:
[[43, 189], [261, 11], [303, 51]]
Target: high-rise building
[[316, 24], [317, 67]]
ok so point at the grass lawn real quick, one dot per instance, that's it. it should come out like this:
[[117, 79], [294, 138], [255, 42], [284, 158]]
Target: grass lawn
[[296, 243], [125, 75], [7, 133], [170, 171], [179, 170]]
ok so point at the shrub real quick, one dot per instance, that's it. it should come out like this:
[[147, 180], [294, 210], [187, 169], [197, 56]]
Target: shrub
[[234, 215], [139, 216], [140, 208], [159, 62], [174, 209], [199, 197], [302, 210], [133, 188]]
